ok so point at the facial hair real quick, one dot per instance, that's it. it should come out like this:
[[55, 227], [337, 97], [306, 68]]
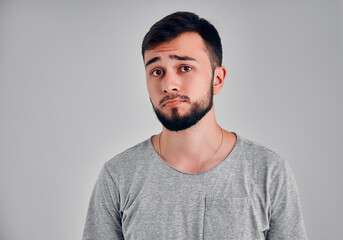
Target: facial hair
[[197, 111]]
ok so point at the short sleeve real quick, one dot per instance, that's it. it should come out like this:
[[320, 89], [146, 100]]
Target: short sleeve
[[103, 220], [286, 220]]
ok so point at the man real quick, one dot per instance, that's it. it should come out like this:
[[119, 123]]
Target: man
[[194, 180]]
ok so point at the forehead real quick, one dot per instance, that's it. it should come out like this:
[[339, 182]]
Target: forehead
[[189, 43]]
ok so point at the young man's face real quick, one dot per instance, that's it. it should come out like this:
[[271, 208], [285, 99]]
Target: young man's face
[[179, 81]]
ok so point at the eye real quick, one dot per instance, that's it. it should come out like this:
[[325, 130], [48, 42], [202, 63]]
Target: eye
[[185, 69], [157, 72]]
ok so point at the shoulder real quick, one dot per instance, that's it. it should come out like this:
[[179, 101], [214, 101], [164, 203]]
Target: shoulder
[[260, 162], [131, 159], [257, 151]]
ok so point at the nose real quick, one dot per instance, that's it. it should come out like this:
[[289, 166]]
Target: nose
[[170, 83]]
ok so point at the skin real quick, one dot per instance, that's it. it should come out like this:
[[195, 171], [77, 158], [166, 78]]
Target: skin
[[182, 66]]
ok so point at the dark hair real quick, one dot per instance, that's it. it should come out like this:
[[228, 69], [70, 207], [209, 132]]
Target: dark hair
[[176, 23]]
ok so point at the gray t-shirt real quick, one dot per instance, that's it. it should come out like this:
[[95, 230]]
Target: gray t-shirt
[[251, 195]]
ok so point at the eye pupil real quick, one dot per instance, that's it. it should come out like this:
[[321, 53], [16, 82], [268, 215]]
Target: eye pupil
[[186, 68], [157, 72]]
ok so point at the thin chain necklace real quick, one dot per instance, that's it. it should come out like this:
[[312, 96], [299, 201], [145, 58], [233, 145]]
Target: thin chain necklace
[[221, 142]]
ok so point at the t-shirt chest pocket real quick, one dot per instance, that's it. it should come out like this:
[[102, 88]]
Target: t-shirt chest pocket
[[225, 218]]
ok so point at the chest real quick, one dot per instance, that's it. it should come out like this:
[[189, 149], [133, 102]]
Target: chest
[[181, 208]]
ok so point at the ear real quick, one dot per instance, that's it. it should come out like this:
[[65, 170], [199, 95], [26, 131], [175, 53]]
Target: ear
[[219, 78]]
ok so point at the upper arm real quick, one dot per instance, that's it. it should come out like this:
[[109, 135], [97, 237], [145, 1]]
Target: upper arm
[[286, 220], [104, 217]]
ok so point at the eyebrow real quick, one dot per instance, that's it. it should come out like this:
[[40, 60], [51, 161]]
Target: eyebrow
[[173, 56]]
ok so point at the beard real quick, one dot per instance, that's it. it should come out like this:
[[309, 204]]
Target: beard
[[197, 111]]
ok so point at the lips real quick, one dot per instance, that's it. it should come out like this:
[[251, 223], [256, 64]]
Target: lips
[[173, 99], [174, 102]]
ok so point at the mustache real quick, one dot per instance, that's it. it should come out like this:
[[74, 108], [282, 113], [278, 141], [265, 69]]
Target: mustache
[[172, 97]]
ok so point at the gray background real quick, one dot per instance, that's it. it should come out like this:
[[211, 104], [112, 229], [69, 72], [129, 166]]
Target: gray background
[[73, 94]]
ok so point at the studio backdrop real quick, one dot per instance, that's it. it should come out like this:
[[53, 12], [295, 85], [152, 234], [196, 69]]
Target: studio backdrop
[[73, 95]]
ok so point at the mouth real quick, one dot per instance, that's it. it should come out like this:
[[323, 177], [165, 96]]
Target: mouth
[[173, 103], [175, 99]]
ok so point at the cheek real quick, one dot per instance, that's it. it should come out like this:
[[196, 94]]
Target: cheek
[[152, 91], [198, 87]]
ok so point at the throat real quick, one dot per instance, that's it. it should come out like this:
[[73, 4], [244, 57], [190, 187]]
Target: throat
[[193, 157]]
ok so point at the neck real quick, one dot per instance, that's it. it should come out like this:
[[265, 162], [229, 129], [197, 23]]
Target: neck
[[205, 130], [190, 149]]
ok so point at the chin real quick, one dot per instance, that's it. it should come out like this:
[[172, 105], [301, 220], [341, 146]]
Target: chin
[[177, 112]]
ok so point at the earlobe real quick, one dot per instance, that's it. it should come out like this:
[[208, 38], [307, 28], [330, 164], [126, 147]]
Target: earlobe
[[219, 78]]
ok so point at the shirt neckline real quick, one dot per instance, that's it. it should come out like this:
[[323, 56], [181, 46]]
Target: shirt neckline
[[227, 159]]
